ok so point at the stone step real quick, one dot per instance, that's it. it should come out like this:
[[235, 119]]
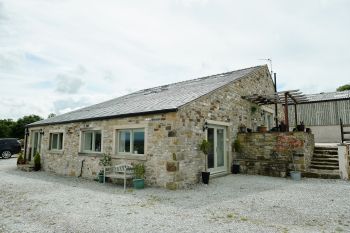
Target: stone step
[[322, 171], [324, 167], [324, 159], [325, 156], [331, 152], [325, 148], [331, 163], [320, 175]]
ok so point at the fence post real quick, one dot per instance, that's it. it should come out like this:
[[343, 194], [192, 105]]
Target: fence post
[[343, 157]]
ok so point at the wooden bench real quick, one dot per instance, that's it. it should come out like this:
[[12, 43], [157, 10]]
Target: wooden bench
[[121, 171]]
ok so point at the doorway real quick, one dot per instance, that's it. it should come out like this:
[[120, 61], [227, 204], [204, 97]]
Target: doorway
[[217, 159], [35, 144]]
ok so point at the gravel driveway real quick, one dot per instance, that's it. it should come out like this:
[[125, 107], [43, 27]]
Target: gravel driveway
[[42, 202]]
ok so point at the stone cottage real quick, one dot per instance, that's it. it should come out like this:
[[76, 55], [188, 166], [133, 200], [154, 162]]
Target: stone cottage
[[160, 127]]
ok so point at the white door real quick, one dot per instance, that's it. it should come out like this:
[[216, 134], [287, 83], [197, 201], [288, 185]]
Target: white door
[[35, 143], [217, 159]]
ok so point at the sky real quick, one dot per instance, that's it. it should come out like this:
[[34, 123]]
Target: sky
[[60, 55]]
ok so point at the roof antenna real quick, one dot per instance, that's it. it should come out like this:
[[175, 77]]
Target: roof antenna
[[270, 61]]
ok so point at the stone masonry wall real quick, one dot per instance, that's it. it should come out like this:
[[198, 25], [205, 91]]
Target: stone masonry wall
[[224, 105], [271, 153], [172, 158]]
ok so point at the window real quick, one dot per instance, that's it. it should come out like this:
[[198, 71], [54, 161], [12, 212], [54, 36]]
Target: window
[[131, 141], [91, 141], [56, 141]]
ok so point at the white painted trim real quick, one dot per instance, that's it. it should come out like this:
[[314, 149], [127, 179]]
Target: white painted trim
[[116, 140], [81, 137], [267, 109], [211, 122]]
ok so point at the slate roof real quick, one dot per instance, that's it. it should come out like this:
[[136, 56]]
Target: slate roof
[[165, 98], [320, 97]]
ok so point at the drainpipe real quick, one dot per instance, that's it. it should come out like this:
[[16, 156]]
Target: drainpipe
[[26, 133], [81, 168]]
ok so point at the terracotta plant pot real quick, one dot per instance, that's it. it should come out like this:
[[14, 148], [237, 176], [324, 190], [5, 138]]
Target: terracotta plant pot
[[262, 129]]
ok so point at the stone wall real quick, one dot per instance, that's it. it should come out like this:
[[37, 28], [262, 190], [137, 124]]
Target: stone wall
[[271, 153], [224, 106], [171, 158]]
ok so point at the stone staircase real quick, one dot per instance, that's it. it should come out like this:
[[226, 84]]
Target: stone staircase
[[324, 163]]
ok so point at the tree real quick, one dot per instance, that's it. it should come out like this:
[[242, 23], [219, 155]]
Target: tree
[[6, 126], [51, 115], [18, 129], [344, 87]]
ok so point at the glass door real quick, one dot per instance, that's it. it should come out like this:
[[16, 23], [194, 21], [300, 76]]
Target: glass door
[[217, 159], [35, 143]]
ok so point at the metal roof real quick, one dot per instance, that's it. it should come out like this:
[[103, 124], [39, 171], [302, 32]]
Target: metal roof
[[158, 99], [339, 95]]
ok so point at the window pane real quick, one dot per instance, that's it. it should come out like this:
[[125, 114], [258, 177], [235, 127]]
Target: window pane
[[124, 141], [211, 150], [87, 141], [60, 141], [97, 141], [139, 142], [54, 141]]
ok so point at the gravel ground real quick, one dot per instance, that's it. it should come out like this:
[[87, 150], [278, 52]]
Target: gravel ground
[[43, 202]]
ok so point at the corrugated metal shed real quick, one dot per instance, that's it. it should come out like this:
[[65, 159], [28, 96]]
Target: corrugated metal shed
[[158, 99], [323, 109]]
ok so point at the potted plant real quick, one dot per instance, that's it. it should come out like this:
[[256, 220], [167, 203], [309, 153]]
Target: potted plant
[[139, 171], [101, 176], [242, 128], [205, 148], [295, 175], [105, 161], [301, 127], [262, 128], [37, 162], [20, 159]]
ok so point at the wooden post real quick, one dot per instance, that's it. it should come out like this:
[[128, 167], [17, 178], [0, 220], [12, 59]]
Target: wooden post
[[276, 98], [295, 115], [286, 111]]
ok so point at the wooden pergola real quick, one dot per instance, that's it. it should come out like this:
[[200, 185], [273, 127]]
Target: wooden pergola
[[290, 97]]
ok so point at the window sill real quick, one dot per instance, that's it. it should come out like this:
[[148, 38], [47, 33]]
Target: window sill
[[56, 151], [90, 154], [130, 157]]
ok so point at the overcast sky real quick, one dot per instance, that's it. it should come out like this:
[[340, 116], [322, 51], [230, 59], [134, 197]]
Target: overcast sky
[[59, 55]]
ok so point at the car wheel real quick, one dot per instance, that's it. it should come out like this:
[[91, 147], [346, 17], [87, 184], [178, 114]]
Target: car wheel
[[6, 154]]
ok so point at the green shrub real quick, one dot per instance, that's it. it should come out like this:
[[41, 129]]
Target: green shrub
[[106, 160], [139, 170], [205, 147], [37, 162], [20, 159], [237, 146]]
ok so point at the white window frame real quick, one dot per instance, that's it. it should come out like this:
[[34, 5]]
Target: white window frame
[[58, 141], [118, 154], [131, 131], [82, 141]]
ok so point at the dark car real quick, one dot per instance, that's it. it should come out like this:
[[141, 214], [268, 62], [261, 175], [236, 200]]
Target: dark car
[[8, 147]]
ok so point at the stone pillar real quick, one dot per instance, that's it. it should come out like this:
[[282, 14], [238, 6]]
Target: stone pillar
[[343, 157]]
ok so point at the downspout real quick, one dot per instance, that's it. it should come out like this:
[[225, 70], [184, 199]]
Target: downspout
[[26, 133], [81, 168]]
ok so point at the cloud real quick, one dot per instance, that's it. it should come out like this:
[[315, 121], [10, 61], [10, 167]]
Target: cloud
[[69, 85], [69, 104], [54, 50]]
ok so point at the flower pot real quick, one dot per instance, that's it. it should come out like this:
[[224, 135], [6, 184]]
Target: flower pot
[[235, 168], [205, 177], [100, 178], [295, 175], [301, 128], [262, 129], [139, 183]]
